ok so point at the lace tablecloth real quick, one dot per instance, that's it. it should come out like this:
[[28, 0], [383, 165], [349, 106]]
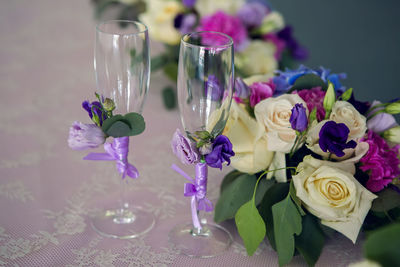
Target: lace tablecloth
[[48, 193]]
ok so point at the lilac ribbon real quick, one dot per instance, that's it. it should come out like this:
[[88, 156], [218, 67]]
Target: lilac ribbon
[[197, 189], [118, 151]]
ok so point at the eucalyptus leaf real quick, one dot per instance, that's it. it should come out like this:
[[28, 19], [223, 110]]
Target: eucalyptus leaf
[[383, 245], [251, 226], [308, 81], [329, 100], [119, 129], [276, 193], [169, 97], [287, 223], [158, 62], [387, 200], [134, 121], [235, 194], [311, 240], [171, 70], [347, 94]]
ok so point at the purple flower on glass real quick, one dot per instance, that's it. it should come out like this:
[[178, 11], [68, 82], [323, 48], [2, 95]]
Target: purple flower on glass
[[185, 22], [213, 88], [242, 91], [84, 136], [189, 3], [381, 122], [333, 138], [252, 14], [94, 108], [260, 91], [225, 23], [298, 119], [184, 149], [221, 152]]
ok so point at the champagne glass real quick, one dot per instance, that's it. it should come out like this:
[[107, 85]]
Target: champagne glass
[[205, 88], [122, 67]]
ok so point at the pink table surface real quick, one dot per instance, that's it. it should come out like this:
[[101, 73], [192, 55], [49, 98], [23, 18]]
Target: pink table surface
[[48, 193]]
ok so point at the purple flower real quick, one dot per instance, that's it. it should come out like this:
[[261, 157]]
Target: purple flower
[[333, 138], [279, 44], [84, 136], [213, 88], [185, 22], [260, 91], [297, 51], [189, 3], [225, 23], [94, 108], [252, 14], [242, 91], [298, 119], [381, 122], [221, 152], [184, 149]]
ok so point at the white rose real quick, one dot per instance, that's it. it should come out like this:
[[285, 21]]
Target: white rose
[[248, 139], [330, 192], [208, 7], [257, 58], [258, 78], [159, 18], [344, 112], [273, 22], [274, 113], [350, 154]]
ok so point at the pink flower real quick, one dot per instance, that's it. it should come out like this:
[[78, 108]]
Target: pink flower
[[225, 23], [279, 44], [381, 161], [260, 91], [314, 98]]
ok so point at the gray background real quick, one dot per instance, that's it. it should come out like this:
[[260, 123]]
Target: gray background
[[359, 37]]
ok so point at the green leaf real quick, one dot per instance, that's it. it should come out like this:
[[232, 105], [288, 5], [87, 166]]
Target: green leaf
[[329, 100], [287, 222], [262, 188], [169, 98], [228, 179], [313, 116], [383, 246], [296, 200], [387, 200], [235, 194], [308, 81], [251, 226], [128, 125], [203, 134], [171, 70], [276, 193], [158, 62], [311, 240], [347, 94], [219, 126]]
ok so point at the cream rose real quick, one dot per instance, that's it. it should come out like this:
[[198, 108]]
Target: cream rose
[[330, 192], [351, 154], [208, 7], [248, 139], [159, 18], [274, 113], [257, 58], [344, 112]]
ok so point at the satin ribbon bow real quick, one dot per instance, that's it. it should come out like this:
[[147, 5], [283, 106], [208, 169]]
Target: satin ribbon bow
[[197, 189], [118, 151]]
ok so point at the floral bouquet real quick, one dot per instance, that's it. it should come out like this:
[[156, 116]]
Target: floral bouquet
[[256, 29], [309, 159]]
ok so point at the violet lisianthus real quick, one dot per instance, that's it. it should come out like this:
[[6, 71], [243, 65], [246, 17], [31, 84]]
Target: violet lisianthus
[[242, 91], [189, 3], [260, 91], [225, 23], [95, 111], [298, 119], [333, 138], [184, 149], [84, 136], [185, 22], [221, 152], [297, 51], [213, 88], [380, 122], [381, 161], [288, 77]]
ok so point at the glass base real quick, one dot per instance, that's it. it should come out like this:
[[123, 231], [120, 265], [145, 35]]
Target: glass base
[[211, 241], [123, 223]]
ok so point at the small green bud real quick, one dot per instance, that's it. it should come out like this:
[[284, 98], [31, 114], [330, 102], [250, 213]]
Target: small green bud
[[392, 135], [109, 104], [393, 108], [96, 119], [329, 100], [347, 94]]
